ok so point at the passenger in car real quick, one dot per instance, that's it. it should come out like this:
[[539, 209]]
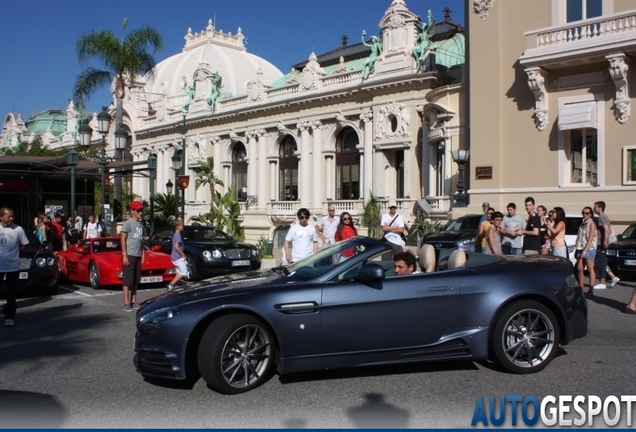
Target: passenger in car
[[405, 263]]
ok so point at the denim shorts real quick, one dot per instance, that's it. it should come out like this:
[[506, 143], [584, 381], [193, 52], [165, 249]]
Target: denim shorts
[[590, 254]]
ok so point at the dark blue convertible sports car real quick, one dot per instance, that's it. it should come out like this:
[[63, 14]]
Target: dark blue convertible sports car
[[325, 312]]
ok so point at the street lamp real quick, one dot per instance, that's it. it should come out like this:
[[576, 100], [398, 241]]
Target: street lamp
[[169, 187], [152, 167], [121, 138], [72, 160], [176, 166], [85, 132], [461, 158]]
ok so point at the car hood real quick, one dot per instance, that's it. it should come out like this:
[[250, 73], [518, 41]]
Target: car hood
[[623, 243], [221, 286], [449, 235], [218, 243]]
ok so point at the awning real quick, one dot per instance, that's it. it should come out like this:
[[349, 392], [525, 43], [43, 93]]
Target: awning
[[577, 116]]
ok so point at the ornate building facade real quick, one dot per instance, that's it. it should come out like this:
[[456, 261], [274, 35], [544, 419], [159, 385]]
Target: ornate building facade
[[549, 110], [380, 116]]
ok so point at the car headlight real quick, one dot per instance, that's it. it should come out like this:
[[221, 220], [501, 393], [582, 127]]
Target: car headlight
[[610, 252], [158, 316], [40, 262], [50, 261], [207, 254], [255, 252], [467, 241], [171, 271], [217, 253]]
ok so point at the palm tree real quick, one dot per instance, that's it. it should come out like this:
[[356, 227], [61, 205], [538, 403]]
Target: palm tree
[[123, 60]]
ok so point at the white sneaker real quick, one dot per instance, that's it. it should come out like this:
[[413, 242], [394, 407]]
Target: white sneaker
[[170, 287], [9, 322], [614, 282], [600, 286]]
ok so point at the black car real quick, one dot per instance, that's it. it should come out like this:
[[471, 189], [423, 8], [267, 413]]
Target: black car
[[209, 251], [325, 313], [38, 268], [457, 234], [621, 255]]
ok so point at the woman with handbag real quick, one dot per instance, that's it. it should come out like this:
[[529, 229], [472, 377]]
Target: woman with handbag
[[586, 250]]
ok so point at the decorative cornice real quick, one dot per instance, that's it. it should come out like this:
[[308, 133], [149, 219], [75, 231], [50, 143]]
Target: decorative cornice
[[536, 83], [366, 115], [619, 72]]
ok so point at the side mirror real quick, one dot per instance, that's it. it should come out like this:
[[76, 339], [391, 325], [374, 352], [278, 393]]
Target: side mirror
[[155, 247], [81, 250], [370, 273]]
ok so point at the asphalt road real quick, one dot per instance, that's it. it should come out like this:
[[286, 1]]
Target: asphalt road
[[68, 363]]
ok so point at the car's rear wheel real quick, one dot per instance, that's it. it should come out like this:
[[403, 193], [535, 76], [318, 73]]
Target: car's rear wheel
[[193, 274], [236, 354], [93, 276], [525, 337]]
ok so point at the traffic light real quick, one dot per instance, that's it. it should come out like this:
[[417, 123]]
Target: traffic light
[[184, 181]]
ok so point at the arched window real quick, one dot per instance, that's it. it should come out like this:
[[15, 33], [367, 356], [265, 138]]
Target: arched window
[[288, 163], [239, 171], [347, 165]]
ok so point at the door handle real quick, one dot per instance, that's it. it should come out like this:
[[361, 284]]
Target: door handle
[[438, 288]]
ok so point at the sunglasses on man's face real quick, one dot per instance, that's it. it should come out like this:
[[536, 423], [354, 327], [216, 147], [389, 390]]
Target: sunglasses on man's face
[[301, 217]]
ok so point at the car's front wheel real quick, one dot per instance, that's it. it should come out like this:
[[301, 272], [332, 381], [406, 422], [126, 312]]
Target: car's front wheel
[[93, 276], [236, 354], [191, 264], [525, 337]]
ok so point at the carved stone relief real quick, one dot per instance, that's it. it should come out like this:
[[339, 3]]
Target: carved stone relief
[[481, 7], [619, 72], [393, 121], [536, 83]]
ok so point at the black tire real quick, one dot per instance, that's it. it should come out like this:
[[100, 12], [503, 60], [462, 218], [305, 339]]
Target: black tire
[[193, 274], [236, 354], [525, 337], [93, 276], [52, 290]]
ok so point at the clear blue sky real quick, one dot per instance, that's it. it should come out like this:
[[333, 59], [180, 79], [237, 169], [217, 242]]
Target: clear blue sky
[[37, 37]]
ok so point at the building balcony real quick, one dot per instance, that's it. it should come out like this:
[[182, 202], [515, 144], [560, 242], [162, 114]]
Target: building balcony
[[581, 42]]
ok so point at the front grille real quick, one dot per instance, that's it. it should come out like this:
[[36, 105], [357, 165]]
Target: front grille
[[237, 253], [25, 263], [622, 253], [156, 272]]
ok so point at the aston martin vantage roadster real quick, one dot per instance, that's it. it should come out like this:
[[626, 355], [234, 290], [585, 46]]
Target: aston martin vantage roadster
[[344, 307]]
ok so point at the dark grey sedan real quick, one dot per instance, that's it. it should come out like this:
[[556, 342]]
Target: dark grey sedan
[[344, 307]]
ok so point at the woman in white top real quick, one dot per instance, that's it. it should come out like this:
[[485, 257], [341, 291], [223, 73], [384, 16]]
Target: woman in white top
[[586, 250]]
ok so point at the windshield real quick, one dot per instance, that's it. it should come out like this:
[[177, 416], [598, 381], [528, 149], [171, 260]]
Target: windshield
[[100, 246], [325, 259], [204, 234], [629, 233], [469, 223]]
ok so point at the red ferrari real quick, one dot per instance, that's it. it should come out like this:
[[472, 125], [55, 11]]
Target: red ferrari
[[98, 261]]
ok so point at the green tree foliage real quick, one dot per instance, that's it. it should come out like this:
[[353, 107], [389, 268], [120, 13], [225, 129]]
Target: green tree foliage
[[35, 148], [224, 209], [372, 216]]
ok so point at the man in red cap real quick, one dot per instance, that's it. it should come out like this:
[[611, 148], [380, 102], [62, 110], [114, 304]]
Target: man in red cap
[[132, 250]]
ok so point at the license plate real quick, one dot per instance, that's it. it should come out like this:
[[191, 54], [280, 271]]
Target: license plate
[[151, 279], [24, 275], [627, 262], [238, 263]]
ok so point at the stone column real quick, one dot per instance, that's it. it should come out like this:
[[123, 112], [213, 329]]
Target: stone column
[[273, 196], [330, 191], [406, 180], [316, 159], [263, 178], [217, 148], [304, 173], [252, 166], [367, 175]]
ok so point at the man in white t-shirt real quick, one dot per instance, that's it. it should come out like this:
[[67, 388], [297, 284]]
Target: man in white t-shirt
[[303, 237], [12, 240], [393, 227], [92, 228], [327, 226], [79, 223]]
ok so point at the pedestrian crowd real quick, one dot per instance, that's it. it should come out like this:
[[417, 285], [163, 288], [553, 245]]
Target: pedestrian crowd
[[543, 232]]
